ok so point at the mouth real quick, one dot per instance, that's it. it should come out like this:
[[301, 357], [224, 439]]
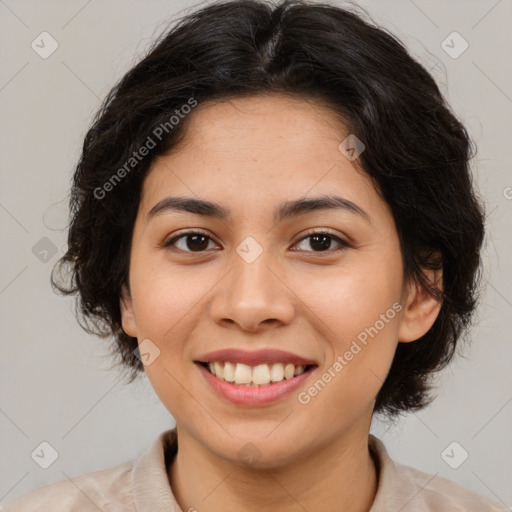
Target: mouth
[[254, 379], [261, 375]]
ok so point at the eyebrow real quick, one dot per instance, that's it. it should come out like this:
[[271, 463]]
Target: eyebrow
[[285, 211]]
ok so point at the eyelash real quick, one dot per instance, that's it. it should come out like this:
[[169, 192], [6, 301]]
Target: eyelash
[[343, 244]]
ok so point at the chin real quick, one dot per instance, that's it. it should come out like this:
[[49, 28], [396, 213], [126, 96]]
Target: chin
[[261, 448]]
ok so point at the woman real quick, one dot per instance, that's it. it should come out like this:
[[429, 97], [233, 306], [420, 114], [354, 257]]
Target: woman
[[274, 216]]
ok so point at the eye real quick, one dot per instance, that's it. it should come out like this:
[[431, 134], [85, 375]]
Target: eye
[[191, 241], [321, 241], [198, 241]]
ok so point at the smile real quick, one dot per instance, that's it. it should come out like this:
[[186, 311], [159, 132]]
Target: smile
[[249, 394], [255, 376]]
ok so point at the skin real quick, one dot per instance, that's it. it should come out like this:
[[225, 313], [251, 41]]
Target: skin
[[250, 155]]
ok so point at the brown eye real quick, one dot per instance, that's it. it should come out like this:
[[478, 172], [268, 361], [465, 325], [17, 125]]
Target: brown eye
[[190, 242], [322, 242]]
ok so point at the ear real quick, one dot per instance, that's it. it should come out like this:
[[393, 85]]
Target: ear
[[421, 309], [127, 315]]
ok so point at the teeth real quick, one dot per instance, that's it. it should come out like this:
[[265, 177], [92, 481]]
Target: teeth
[[242, 374], [219, 370], [260, 375], [289, 370], [299, 369], [277, 372], [229, 372]]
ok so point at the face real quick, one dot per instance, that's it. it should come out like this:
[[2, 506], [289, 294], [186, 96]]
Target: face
[[266, 283]]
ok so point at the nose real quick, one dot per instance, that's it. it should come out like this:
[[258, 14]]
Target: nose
[[253, 296]]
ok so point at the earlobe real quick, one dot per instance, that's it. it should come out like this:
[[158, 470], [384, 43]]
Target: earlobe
[[421, 309], [127, 315]]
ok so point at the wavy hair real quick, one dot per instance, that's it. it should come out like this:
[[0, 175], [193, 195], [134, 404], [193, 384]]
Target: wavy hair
[[417, 155]]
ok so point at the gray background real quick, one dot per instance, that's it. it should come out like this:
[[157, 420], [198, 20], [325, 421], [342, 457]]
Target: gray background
[[55, 384]]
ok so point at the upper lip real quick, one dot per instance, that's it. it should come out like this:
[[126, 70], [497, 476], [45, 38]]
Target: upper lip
[[253, 358]]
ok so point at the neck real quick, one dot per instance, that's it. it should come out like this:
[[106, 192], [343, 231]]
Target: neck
[[343, 476]]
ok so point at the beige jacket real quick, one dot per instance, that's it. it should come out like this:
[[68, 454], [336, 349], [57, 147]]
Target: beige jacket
[[142, 485]]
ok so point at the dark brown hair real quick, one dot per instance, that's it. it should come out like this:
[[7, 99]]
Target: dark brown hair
[[417, 154]]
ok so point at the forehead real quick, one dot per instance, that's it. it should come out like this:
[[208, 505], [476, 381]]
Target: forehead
[[258, 124], [259, 150]]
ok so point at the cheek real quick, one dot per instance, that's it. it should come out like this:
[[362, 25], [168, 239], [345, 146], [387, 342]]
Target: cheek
[[358, 314], [165, 314], [347, 301], [162, 298]]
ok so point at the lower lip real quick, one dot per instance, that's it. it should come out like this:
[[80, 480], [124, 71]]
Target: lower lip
[[253, 396]]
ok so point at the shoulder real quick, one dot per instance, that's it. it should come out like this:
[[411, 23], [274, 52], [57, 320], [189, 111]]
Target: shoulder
[[433, 492], [408, 489], [106, 490]]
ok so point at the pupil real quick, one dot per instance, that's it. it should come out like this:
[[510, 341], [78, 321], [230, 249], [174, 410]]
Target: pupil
[[323, 241], [198, 242]]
